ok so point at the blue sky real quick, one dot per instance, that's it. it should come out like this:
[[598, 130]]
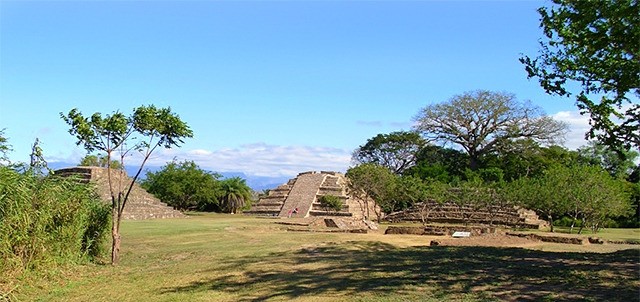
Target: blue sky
[[269, 88]]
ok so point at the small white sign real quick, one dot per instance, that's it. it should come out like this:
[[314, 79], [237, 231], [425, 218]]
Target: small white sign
[[461, 234]]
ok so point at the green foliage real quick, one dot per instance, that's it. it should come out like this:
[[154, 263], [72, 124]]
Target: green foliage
[[439, 163], [632, 221], [331, 202], [375, 182], [96, 231], [396, 151], [491, 175], [603, 156], [582, 192], [144, 131], [525, 158], [4, 146], [214, 257], [471, 196], [592, 48], [184, 186], [99, 161], [98, 133], [235, 194], [480, 121], [47, 222]]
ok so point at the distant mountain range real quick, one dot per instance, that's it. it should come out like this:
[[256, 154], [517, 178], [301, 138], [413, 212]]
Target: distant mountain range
[[257, 183]]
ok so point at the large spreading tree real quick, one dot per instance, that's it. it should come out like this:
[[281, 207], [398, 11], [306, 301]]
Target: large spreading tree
[[592, 52], [481, 121], [145, 130]]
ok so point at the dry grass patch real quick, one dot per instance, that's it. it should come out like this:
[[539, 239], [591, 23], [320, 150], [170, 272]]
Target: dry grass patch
[[236, 258]]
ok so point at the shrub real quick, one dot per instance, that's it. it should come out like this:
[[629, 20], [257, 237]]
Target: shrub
[[330, 203], [46, 222]]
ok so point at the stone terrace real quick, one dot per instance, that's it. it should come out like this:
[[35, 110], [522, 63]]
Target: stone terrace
[[449, 212], [303, 192], [141, 204]]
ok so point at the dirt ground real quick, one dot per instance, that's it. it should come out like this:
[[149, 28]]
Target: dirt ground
[[497, 240]]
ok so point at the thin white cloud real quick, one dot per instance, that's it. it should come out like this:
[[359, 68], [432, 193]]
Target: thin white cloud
[[260, 159], [379, 124], [578, 126], [198, 152], [401, 125], [370, 123]]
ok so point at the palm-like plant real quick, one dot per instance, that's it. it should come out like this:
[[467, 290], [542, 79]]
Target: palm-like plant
[[234, 194]]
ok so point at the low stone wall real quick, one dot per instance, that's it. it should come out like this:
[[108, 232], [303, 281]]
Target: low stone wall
[[571, 240], [432, 230], [449, 212], [551, 238]]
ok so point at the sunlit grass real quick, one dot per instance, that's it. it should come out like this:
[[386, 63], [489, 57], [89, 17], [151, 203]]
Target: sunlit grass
[[215, 257]]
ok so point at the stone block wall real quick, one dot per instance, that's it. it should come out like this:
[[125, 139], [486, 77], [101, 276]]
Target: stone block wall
[[140, 205], [302, 193], [449, 212]]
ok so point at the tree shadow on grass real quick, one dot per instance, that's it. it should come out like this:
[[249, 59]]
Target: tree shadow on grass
[[352, 268]]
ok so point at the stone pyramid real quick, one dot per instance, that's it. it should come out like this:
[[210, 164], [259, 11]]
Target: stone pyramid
[[141, 204], [302, 193]]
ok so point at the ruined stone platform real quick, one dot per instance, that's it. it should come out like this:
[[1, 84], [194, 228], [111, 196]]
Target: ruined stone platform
[[141, 204], [303, 192]]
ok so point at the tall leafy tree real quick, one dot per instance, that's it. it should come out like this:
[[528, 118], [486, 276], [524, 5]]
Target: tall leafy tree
[[539, 195], [412, 191], [184, 186], [526, 158], [591, 52], [235, 194], [145, 130], [479, 121], [602, 156], [396, 151], [375, 182], [584, 192]]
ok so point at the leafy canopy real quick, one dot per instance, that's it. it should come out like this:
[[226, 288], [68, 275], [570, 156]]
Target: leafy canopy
[[396, 150], [591, 52], [146, 129], [373, 181], [235, 194], [480, 121], [184, 186]]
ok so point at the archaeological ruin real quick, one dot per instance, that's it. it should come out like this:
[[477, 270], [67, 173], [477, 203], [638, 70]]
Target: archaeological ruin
[[299, 198], [141, 204]]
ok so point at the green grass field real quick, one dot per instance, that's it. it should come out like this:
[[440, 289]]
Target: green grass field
[[214, 257]]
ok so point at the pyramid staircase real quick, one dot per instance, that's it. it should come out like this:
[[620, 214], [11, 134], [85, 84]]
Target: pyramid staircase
[[303, 192], [140, 205]]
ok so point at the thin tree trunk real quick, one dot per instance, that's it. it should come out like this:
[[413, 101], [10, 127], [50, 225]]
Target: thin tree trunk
[[115, 236], [581, 226], [573, 224], [424, 214]]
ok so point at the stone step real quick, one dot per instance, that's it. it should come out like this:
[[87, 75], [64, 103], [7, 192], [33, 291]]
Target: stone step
[[140, 204], [329, 213]]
